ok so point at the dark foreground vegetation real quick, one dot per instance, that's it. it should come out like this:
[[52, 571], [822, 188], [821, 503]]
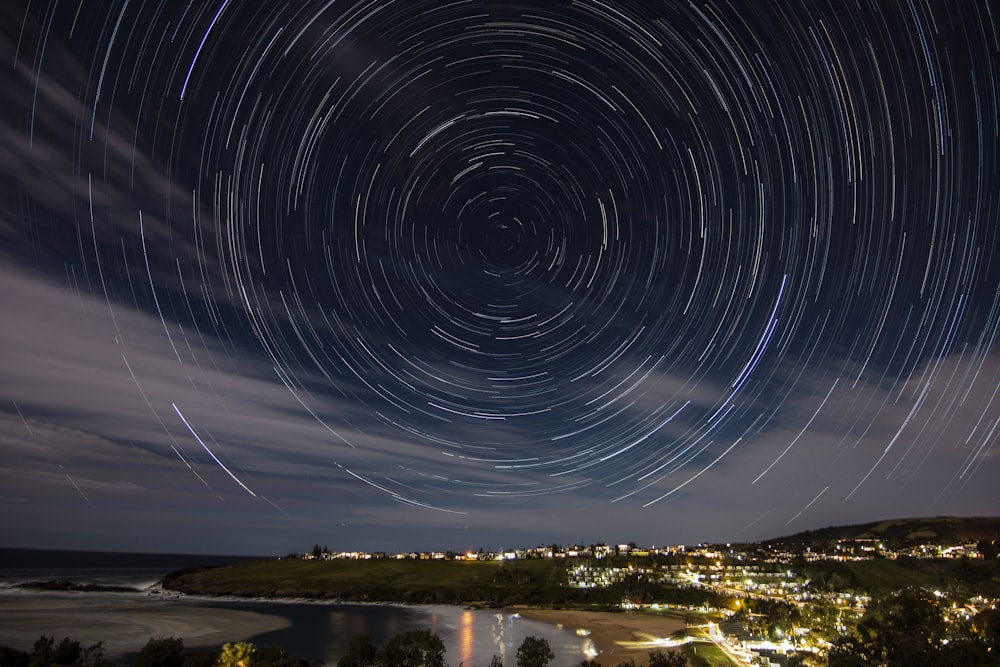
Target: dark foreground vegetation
[[914, 627], [417, 648]]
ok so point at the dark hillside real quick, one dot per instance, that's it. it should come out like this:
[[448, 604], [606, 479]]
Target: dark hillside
[[897, 533]]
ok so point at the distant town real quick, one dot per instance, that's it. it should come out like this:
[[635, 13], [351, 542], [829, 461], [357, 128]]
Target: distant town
[[744, 572], [845, 550]]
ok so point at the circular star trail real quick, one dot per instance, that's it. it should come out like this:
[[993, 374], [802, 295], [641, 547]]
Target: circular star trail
[[503, 249]]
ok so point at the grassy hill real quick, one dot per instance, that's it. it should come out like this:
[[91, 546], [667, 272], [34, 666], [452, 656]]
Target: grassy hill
[[383, 580], [897, 533]]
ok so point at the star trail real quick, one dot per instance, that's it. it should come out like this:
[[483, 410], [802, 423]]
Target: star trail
[[464, 271]]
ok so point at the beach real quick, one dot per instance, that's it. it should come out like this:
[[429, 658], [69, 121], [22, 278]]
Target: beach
[[124, 623], [618, 635]]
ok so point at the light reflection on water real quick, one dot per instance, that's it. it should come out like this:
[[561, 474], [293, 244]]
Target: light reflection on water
[[471, 637], [466, 639]]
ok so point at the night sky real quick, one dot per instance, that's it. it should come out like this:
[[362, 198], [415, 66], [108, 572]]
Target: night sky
[[411, 274]]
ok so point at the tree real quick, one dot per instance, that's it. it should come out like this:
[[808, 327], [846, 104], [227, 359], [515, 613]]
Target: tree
[[907, 628], [41, 652], [668, 659], [496, 661], [46, 653], [235, 655], [534, 652], [66, 652], [93, 656], [416, 648], [986, 627], [361, 652], [161, 652]]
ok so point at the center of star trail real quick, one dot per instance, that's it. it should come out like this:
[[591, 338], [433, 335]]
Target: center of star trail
[[510, 240]]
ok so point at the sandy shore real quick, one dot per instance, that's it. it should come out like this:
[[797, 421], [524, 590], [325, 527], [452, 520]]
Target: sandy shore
[[124, 623], [618, 635]]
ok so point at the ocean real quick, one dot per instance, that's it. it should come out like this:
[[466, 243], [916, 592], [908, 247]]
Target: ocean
[[101, 568], [315, 630]]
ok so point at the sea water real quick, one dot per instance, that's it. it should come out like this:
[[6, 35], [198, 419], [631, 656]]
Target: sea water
[[134, 570], [316, 630]]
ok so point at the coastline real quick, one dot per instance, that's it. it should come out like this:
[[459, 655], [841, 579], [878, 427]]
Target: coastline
[[618, 635], [124, 622]]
